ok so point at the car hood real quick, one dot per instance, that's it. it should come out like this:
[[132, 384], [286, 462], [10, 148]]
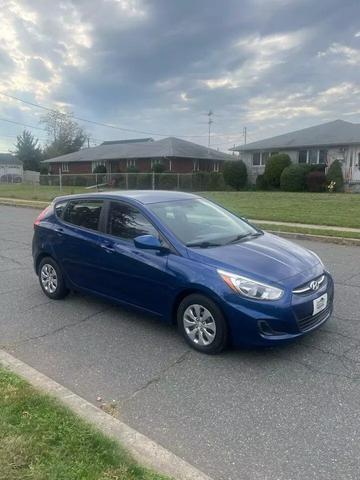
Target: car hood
[[265, 258]]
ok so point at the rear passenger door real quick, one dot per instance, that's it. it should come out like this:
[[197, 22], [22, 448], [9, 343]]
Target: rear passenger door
[[79, 242]]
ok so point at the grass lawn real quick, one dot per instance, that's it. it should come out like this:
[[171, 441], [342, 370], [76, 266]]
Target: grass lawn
[[37, 192], [42, 440], [337, 209], [312, 231]]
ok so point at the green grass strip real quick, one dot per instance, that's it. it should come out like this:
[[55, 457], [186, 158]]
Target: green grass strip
[[41, 440]]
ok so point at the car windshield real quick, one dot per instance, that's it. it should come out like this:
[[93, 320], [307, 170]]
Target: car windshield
[[200, 223]]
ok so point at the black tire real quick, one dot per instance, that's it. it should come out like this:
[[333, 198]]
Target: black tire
[[61, 290], [220, 340]]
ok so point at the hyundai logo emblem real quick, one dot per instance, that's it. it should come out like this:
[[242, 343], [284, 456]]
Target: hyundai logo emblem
[[314, 285]]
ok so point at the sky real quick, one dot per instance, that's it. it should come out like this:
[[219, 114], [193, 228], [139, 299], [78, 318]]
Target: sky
[[156, 67]]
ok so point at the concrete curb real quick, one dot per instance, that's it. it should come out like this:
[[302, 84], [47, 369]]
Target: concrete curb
[[144, 450], [306, 225], [14, 202], [318, 238]]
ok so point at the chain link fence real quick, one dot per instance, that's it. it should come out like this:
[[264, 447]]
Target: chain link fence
[[198, 181]]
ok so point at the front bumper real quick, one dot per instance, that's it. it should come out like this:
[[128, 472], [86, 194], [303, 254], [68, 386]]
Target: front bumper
[[268, 324]]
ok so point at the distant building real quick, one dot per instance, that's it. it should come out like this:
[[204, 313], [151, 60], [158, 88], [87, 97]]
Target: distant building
[[321, 144], [11, 168], [177, 156]]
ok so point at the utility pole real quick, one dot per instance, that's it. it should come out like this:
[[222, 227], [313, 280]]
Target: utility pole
[[210, 122], [244, 133]]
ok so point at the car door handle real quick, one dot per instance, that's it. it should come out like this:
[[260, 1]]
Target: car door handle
[[108, 247], [59, 230]]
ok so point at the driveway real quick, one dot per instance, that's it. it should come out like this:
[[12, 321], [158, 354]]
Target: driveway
[[277, 414]]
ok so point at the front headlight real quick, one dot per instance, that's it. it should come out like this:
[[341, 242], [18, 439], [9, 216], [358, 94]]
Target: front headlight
[[250, 288]]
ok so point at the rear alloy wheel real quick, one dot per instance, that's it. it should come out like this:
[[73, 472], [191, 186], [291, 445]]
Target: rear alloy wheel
[[202, 324], [51, 279]]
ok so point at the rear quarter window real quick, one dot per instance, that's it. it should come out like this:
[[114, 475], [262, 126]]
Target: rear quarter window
[[59, 208], [84, 213]]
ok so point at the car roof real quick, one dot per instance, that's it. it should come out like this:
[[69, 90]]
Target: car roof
[[142, 196]]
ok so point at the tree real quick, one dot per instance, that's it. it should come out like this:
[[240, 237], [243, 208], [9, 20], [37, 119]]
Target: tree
[[274, 168], [65, 135], [28, 151], [235, 174]]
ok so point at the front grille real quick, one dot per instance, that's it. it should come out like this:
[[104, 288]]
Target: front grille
[[309, 322], [306, 288]]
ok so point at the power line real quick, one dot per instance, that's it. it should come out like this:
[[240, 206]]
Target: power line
[[107, 125], [22, 124]]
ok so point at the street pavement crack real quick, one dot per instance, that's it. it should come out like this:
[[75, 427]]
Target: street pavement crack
[[320, 371], [156, 379], [55, 331], [12, 260], [343, 335]]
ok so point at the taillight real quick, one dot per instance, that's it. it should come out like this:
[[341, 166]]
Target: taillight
[[43, 214]]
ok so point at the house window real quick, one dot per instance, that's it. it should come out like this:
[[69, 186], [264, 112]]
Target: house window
[[256, 158], [65, 167], [322, 156], [303, 156], [265, 157], [313, 156], [260, 158], [155, 161], [196, 165], [131, 162], [97, 163]]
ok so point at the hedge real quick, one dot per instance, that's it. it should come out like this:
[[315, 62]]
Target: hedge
[[335, 174], [274, 168], [316, 181], [235, 174], [293, 178]]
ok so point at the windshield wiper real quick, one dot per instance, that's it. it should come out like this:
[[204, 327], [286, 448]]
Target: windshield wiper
[[242, 237], [203, 244]]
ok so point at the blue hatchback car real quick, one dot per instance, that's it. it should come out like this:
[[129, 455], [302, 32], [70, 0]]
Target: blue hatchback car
[[185, 259]]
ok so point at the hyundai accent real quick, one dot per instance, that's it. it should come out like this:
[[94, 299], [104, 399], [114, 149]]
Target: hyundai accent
[[188, 261]]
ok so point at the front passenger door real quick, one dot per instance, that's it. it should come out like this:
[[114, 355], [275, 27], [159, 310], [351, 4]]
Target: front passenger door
[[136, 276]]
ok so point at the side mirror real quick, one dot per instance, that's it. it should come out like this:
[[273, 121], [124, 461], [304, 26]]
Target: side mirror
[[148, 242]]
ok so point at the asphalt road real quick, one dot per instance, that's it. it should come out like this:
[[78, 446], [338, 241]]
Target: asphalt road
[[282, 414]]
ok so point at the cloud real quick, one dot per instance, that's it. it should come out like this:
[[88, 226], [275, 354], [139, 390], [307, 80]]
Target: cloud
[[342, 53], [158, 66], [260, 55]]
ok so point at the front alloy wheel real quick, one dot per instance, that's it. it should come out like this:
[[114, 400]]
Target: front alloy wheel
[[199, 325], [202, 324]]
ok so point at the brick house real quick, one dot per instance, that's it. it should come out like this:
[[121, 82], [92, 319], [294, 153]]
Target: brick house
[[321, 144], [177, 156]]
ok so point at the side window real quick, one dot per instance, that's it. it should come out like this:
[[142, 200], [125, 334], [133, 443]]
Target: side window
[[256, 158], [84, 213], [59, 208], [127, 222]]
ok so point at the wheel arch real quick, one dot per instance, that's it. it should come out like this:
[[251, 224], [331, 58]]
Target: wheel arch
[[39, 258], [191, 291]]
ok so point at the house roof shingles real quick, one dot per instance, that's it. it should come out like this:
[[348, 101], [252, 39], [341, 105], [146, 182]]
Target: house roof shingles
[[333, 133], [167, 147]]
